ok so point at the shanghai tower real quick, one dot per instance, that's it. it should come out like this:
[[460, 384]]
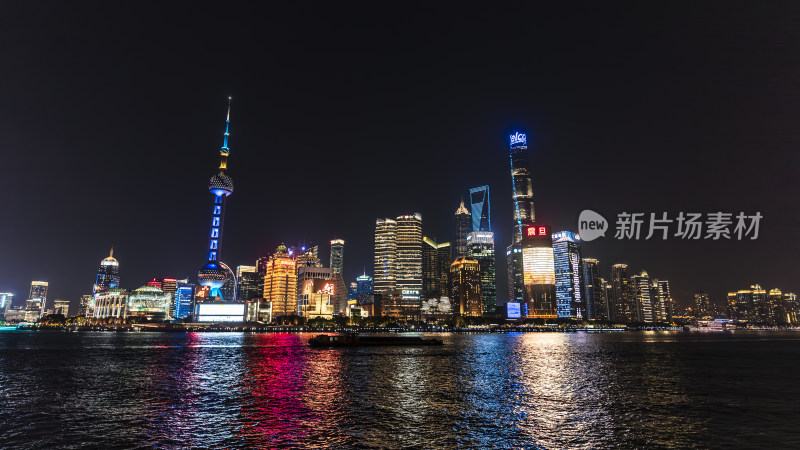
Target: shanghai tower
[[213, 274], [521, 183]]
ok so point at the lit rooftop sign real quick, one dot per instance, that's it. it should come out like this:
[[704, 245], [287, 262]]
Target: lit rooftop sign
[[519, 139]]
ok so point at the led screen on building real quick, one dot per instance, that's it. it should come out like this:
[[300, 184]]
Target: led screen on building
[[513, 310], [538, 265], [220, 312]]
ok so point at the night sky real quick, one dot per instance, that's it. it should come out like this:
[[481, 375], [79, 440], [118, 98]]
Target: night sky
[[112, 116]]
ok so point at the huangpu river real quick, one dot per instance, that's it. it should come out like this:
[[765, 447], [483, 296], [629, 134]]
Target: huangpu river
[[522, 390]]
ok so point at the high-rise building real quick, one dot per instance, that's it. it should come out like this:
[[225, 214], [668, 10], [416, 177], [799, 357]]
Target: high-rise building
[[465, 287], [479, 203], [280, 283], [521, 184], [213, 275], [107, 274], [436, 261], [337, 255], [666, 308], [622, 299], [183, 299], [516, 275], [640, 284], [538, 265], [592, 290], [385, 255], [37, 297], [248, 282], [84, 308], [480, 247], [61, 307], [6, 302], [409, 258], [569, 275], [702, 305], [364, 283], [463, 225]]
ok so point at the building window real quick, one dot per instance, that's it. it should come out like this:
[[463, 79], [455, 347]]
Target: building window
[[214, 232], [215, 222]]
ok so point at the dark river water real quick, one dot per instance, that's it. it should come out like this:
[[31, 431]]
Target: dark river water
[[550, 390]]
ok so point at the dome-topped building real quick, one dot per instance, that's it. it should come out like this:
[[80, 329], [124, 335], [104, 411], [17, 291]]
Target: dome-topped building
[[107, 274], [213, 274]]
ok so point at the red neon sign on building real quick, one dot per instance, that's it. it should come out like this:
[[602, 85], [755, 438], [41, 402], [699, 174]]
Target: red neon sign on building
[[538, 231]]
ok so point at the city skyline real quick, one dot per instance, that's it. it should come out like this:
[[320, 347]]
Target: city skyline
[[611, 143]]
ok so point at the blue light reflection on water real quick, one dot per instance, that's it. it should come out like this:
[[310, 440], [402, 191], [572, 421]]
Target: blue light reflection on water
[[483, 390]]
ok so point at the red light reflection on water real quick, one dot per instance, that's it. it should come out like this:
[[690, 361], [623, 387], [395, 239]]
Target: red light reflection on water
[[287, 390]]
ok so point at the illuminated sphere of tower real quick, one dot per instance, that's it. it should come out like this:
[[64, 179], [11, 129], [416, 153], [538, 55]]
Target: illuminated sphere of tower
[[221, 184], [212, 275]]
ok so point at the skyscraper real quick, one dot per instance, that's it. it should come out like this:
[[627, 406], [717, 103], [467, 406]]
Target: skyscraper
[[337, 255], [37, 297], [569, 275], [480, 248], [183, 299], [521, 184], [640, 285], [539, 273], [592, 290], [409, 259], [385, 255], [479, 202], [435, 268], [6, 301], [702, 304], [248, 281], [213, 275], [61, 307], [465, 287], [280, 283], [463, 225], [516, 276], [622, 299], [107, 274], [364, 283]]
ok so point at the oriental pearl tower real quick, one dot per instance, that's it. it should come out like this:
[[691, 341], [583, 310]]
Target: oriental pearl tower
[[221, 186]]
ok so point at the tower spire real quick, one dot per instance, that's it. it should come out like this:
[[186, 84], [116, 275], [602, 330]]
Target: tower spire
[[111, 253], [225, 149]]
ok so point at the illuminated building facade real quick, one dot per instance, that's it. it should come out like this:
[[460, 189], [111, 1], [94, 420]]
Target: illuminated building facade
[[6, 302], [213, 275], [640, 284], [280, 283], [183, 299], [702, 305], [569, 275], [317, 291], [37, 297], [622, 299], [592, 290], [516, 276], [436, 259], [465, 288], [337, 255], [463, 225], [479, 204], [109, 304], [385, 255], [364, 285], [108, 274], [480, 247], [745, 304], [84, 307], [538, 265], [149, 302], [521, 184], [61, 307], [663, 305], [409, 259], [248, 282]]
